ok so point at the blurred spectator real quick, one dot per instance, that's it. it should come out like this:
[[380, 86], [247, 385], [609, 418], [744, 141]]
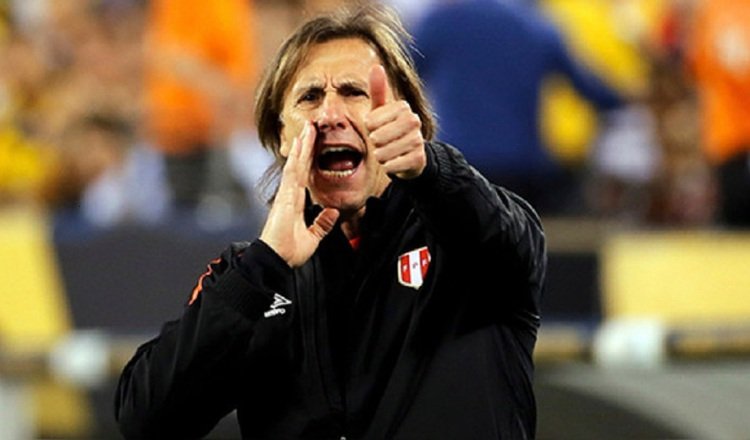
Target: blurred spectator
[[484, 62], [621, 152], [88, 148], [201, 65], [104, 176], [91, 55], [23, 163], [70, 72], [719, 54], [685, 190]]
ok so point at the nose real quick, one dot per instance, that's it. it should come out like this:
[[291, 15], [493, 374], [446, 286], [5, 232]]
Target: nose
[[332, 114]]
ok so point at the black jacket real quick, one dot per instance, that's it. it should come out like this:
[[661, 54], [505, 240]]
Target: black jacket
[[425, 332]]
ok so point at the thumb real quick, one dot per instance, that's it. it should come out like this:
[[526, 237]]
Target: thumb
[[324, 222], [378, 86]]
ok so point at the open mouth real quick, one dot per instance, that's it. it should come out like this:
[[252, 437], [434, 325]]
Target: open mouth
[[338, 161]]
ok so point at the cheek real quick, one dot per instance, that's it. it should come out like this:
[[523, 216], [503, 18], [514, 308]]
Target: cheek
[[292, 127], [285, 145], [359, 113]]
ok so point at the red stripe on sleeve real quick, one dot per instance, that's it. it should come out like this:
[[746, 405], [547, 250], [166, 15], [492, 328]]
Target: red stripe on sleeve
[[199, 286]]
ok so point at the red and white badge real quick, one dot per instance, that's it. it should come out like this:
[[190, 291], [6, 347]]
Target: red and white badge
[[412, 267]]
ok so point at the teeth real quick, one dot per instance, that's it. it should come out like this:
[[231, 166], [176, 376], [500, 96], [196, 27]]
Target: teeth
[[327, 150], [344, 173]]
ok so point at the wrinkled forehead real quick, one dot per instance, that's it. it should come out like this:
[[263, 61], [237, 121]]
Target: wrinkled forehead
[[338, 59]]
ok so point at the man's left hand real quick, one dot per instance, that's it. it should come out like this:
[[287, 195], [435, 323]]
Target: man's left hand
[[394, 130]]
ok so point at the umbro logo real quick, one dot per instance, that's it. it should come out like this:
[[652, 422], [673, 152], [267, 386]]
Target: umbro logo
[[277, 308]]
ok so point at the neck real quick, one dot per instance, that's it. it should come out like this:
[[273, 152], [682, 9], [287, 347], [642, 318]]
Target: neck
[[350, 224]]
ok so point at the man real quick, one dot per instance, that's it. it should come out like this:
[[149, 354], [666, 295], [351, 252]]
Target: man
[[200, 69], [393, 292]]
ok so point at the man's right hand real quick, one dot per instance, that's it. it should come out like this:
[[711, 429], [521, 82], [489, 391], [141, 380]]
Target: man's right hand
[[285, 230]]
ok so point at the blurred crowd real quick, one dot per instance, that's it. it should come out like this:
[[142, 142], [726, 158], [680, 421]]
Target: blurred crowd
[[119, 111]]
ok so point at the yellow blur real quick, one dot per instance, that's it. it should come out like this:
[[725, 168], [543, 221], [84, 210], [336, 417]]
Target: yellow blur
[[607, 36], [681, 278], [34, 315]]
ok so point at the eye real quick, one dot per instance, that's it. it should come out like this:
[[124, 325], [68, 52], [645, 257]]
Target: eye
[[351, 90], [311, 95]]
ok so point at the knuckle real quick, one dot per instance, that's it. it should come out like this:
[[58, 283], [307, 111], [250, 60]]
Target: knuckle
[[417, 119], [410, 120], [415, 139], [374, 138], [370, 122], [414, 121]]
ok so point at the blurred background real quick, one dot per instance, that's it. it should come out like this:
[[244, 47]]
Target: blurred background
[[128, 160]]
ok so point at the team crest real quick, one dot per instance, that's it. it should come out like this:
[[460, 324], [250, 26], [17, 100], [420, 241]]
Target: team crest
[[412, 267]]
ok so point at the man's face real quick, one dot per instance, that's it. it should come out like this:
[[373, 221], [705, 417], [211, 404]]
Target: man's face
[[332, 90]]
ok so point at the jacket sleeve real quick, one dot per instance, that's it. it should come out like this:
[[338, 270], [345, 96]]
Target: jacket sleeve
[[180, 384], [481, 220]]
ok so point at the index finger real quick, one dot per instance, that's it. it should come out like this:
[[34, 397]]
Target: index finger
[[307, 143]]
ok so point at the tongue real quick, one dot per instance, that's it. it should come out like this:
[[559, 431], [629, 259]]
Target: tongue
[[340, 165], [341, 161]]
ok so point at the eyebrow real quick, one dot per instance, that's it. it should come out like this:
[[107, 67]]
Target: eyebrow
[[304, 87], [350, 83], [318, 85]]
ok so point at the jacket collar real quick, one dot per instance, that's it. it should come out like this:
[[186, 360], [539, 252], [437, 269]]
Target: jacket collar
[[382, 214]]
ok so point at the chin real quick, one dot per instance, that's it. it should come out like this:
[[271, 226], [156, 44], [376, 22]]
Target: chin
[[345, 203], [346, 206]]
